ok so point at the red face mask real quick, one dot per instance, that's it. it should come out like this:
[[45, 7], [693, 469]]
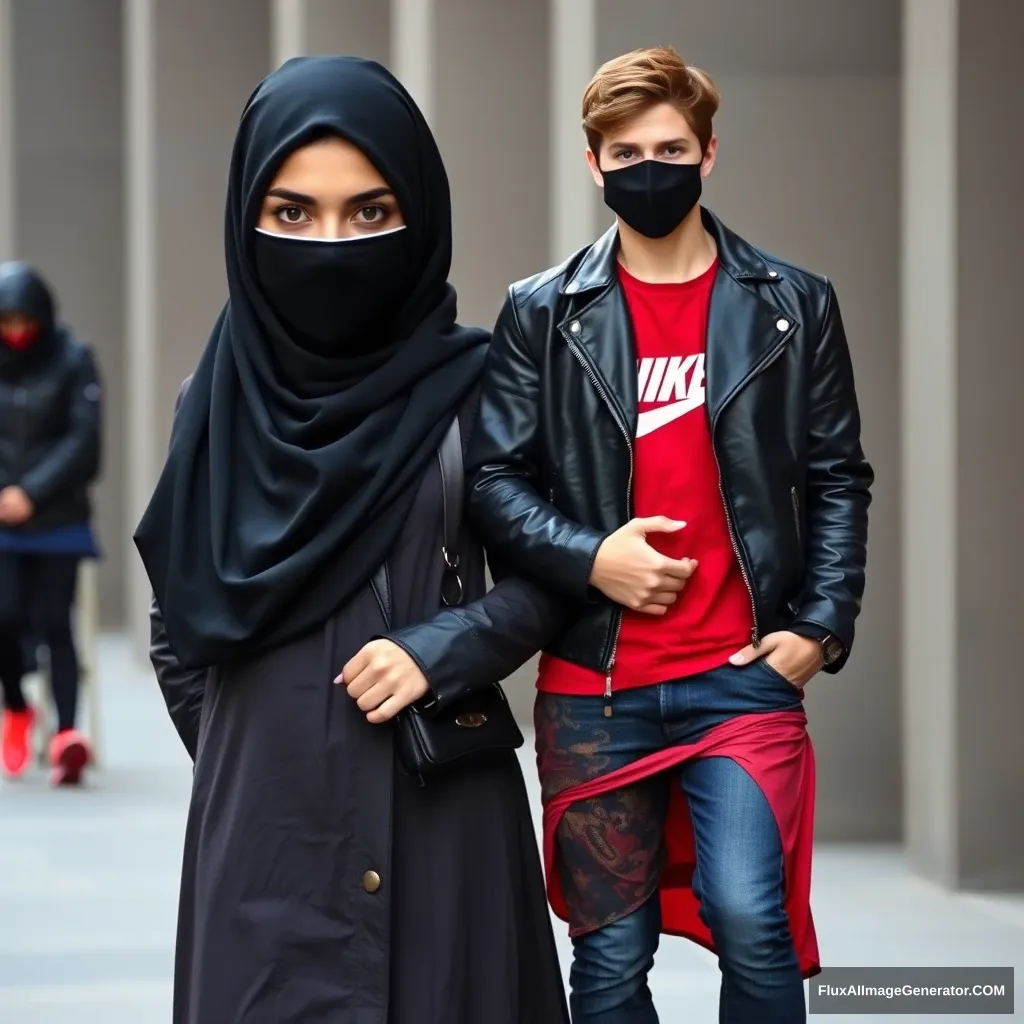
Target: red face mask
[[19, 338]]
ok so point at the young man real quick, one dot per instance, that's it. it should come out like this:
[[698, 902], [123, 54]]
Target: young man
[[669, 435]]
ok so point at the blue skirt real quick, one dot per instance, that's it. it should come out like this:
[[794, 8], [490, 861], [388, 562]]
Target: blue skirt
[[76, 539]]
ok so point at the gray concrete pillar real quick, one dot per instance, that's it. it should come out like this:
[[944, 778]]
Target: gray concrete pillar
[[190, 65], [6, 135], [963, 497], [573, 61], [68, 209], [412, 53]]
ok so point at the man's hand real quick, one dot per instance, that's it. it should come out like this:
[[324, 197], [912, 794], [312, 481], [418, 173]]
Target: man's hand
[[796, 658], [382, 679], [15, 506], [630, 572]]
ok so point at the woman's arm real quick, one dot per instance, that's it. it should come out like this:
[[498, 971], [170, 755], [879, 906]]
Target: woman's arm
[[182, 689]]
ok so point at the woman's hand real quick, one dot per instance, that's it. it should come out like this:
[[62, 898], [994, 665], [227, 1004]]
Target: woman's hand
[[382, 679]]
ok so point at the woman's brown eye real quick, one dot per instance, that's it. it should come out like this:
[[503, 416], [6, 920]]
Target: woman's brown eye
[[372, 214], [290, 214]]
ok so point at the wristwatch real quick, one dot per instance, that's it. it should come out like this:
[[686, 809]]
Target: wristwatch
[[832, 648]]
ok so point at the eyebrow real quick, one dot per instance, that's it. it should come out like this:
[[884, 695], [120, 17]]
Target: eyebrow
[[303, 200], [370, 195], [666, 142], [292, 197]]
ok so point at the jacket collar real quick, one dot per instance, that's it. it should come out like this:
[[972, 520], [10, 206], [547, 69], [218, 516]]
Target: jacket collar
[[745, 328], [599, 266]]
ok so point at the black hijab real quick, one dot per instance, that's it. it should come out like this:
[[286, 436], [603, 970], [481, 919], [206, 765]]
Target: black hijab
[[291, 470]]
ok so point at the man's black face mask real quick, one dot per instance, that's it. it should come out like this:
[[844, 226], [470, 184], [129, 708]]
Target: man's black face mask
[[653, 197]]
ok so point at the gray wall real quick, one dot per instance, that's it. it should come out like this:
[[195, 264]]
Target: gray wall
[[348, 26], [69, 212], [490, 117], [209, 58]]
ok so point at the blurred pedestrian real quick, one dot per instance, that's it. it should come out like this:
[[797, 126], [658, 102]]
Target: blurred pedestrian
[[50, 414], [320, 881]]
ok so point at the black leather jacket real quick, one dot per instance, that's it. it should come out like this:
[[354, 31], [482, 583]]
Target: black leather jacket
[[550, 464], [50, 410]]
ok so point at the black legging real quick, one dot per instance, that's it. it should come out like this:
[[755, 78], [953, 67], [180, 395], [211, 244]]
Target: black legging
[[36, 595]]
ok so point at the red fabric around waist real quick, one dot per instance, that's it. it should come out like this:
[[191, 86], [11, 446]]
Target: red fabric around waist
[[775, 750]]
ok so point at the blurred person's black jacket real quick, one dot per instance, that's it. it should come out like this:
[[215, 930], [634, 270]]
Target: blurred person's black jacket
[[50, 409]]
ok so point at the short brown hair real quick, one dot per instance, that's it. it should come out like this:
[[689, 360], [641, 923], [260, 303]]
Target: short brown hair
[[641, 79]]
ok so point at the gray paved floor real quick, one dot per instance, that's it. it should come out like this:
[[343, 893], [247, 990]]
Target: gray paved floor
[[88, 885]]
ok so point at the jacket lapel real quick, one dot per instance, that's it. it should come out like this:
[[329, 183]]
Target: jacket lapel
[[744, 333], [602, 333]]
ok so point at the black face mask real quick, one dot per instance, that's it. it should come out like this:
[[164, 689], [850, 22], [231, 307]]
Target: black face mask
[[338, 294], [653, 197]]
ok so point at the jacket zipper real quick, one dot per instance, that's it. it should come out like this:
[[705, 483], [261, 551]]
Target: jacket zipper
[[755, 632], [795, 500], [600, 388]]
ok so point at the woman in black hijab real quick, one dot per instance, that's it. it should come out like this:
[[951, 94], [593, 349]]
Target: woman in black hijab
[[320, 883]]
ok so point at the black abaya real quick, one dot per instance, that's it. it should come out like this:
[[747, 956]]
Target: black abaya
[[297, 797]]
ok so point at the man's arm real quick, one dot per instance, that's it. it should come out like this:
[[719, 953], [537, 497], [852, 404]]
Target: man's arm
[[839, 479], [75, 458], [482, 642], [505, 477], [522, 528]]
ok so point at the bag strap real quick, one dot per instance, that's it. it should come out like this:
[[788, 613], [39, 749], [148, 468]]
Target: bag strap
[[449, 457], [452, 483]]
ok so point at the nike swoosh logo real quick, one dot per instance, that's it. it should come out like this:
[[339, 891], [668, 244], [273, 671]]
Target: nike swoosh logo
[[653, 419]]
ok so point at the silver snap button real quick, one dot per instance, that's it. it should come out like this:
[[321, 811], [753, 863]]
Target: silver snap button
[[783, 325], [575, 327], [773, 273]]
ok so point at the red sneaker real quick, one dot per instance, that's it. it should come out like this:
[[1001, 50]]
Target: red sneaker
[[16, 742], [70, 754]]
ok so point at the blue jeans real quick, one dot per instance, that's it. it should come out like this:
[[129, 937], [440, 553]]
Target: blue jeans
[[739, 873]]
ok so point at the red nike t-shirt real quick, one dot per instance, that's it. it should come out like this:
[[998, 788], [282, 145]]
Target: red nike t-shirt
[[675, 474]]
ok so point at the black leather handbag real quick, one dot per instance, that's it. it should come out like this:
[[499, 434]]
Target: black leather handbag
[[435, 739]]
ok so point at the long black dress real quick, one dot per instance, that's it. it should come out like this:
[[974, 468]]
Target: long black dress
[[319, 882]]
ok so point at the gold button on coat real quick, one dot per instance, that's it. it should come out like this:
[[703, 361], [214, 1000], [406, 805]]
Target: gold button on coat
[[371, 881]]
